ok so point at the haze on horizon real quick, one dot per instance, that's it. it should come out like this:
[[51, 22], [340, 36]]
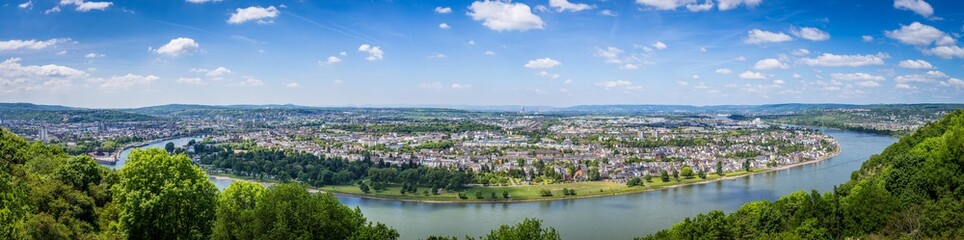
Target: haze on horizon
[[552, 53]]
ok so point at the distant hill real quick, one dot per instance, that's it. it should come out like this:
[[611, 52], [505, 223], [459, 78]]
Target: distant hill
[[31, 106]]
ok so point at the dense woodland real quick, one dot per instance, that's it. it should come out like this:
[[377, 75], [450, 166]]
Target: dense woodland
[[914, 189]]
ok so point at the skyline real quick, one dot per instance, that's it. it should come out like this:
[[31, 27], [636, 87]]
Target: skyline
[[481, 53]]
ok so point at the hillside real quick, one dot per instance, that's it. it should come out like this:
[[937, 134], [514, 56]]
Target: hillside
[[913, 189]]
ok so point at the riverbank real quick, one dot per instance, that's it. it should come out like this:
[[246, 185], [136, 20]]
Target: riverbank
[[528, 193]]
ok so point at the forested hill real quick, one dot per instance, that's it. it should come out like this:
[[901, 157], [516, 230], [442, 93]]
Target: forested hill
[[914, 189]]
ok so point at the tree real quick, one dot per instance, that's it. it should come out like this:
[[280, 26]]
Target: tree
[[288, 211], [676, 174], [364, 187], [719, 168], [687, 172], [649, 178], [701, 174], [478, 194], [664, 176], [635, 181], [164, 197], [505, 194], [235, 212], [528, 229], [746, 165], [169, 147]]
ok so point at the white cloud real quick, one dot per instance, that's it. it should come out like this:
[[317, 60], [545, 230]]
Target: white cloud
[[190, 81], [178, 46], [217, 72], [331, 60], [292, 85], [757, 36], [62, 52], [831, 60], [471, 42], [607, 12], [338, 81], [565, 5], [505, 16], [26, 5], [918, 6], [809, 33], [254, 13], [15, 77], [542, 63], [856, 77], [903, 86], [202, 1], [250, 82], [31, 44], [867, 38], [489, 53], [916, 64], [724, 71], [443, 10], [126, 82], [82, 6], [706, 6], [769, 63], [779, 82], [947, 52], [437, 56], [374, 53], [659, 45], [929, 77], [546, 74], [752, 75], [665, 4], [619, 84], [55, 9], [431, 85], [918, 34], [444, 26], [955, 82], [682, 83], [611, 54], [93, 55], [460, 86], [724, 5], [800, 52]]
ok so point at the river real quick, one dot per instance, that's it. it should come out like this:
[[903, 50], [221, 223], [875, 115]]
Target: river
[[616, 217], [179, 142]]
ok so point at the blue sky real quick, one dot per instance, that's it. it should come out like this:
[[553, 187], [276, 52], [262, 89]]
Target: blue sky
[[557, 53]]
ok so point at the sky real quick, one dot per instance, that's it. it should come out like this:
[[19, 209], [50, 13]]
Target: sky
[[547, 52]]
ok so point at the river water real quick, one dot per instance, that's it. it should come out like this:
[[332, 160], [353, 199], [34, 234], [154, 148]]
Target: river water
[[615, 217]]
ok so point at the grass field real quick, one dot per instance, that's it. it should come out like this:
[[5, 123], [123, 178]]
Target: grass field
[[523, 192]]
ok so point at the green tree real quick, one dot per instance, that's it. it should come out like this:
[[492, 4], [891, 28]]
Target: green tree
[[235, 211], [719, 168], [746, 165], [169, 147], [528, 229], [664, 176], [364, 187], [701, 174], [288, 211], [505, 194], [649, 178], [687, 172], [164, 197]]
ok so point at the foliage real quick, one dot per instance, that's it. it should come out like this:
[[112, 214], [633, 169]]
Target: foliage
[[914, 189]]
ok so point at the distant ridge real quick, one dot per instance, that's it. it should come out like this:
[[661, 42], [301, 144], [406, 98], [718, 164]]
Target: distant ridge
[[31, 106]]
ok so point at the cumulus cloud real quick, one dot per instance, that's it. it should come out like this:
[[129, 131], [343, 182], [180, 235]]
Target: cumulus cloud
[[292, 85], [15, 77], [659, 45], [202, 1], [542, 63], [752, 75], [947, 52], [217, 72], [444, 26], [725, 5], [860, 79], [31, 44], [920, 35], [55, 9], [546, 74], [190, 81], [915, 64], [955, 82], [867, 38], [917, 6], [26, 5], [929, 77], [565, 5], [724, 71], [705, 6], [769, 63], [505, 16], [489, 53], [258, 14], [250, 82], [374, 52], [619, 84], [330, 60], [460, 86], [126, 82], [757, 36], [82, 6], [832, 60], [809, 33], [178, 46], [443, 10], [665, 4]]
